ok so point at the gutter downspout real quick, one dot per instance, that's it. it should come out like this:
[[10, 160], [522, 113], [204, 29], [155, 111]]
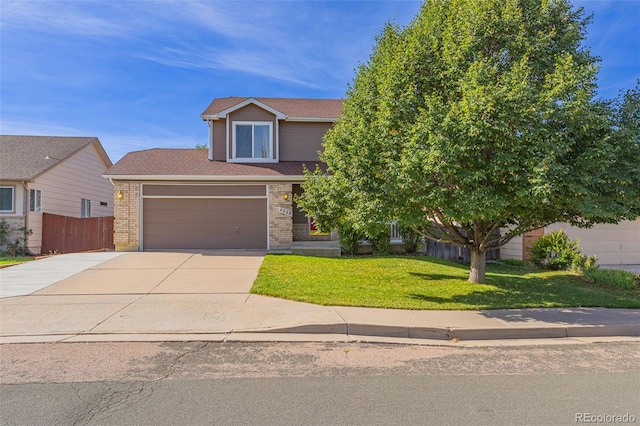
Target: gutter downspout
[[25, 210]]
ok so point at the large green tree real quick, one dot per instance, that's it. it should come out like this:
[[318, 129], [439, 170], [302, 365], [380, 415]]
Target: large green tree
[[480, 115]]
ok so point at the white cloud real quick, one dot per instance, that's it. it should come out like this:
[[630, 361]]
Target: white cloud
[[68, 17]]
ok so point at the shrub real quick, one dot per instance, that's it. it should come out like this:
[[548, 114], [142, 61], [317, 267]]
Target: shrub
[[350, 238], [614, 278], [411, 239], [556, 251], [380, 239]]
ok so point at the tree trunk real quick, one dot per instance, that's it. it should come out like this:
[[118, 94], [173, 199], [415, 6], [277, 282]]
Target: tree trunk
[[478, 266]]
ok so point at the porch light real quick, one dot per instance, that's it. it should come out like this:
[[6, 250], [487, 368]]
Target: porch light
[[120, 195], [285, 196]]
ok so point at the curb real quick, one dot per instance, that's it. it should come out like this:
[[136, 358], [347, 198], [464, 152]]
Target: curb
[[448, 333], [340, 332]]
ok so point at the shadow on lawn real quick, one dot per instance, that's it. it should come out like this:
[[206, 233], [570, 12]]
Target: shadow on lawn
[[437, 277], [509, 288]]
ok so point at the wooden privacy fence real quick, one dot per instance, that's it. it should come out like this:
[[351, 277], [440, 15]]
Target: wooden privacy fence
[[73, 234], [454, 253]]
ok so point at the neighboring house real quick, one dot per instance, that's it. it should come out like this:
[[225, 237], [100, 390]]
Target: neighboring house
[[611, 244], [51, 174], [238, 194]]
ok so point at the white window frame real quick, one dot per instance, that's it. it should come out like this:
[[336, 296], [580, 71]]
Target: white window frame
[[35, 200], [13, 198], [85, 207], [235, 159]]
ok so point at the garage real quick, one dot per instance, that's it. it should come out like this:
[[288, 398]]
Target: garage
[[204, 217], [611, 244]]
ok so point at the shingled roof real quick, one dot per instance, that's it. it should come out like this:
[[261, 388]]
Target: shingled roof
[[191, 163], [22, 158], [291, 107]]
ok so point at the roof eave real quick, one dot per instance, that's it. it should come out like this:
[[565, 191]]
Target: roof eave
[[238, 178], [313, 119]]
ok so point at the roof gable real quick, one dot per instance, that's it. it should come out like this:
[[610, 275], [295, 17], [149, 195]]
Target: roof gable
[[22, 158], [292, 109], [223, 114]]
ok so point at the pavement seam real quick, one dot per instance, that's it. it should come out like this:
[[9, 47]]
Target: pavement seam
[[346, 323], [113, 314], [171, 273]]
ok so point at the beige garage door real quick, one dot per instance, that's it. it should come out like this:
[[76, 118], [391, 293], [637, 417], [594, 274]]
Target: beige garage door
[[612, 244], [183, 223]]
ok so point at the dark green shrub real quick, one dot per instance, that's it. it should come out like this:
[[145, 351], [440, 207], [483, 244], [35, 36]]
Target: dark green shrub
[[556, 251], [411, 238], [350, 238]]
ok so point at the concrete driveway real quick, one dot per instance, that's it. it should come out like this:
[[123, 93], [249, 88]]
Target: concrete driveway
[[165, 273]]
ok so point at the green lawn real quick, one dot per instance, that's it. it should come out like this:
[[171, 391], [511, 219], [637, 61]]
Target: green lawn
[[406, 282], [10, 260]]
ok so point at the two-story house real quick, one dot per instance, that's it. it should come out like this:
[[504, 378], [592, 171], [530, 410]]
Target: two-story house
[[238, 194]]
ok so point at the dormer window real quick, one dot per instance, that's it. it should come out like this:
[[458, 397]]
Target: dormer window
[[252, 140]]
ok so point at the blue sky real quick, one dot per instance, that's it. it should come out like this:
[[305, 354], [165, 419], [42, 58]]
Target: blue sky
[[138, 74]]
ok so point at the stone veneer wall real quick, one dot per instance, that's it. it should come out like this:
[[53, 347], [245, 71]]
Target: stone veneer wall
[[15, 223], [127, 216], [280, 225]]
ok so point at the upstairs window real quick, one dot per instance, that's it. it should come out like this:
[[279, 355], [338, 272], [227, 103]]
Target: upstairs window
[[252, 141], [35, 200], [85, 207], [6, 198]]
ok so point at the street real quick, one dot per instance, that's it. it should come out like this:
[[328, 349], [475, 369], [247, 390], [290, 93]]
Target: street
[[317, 383]]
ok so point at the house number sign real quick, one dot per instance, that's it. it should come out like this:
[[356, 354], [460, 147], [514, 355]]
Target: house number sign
[[285, 212]]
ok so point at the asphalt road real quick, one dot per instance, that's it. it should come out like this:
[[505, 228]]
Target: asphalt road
[[279, 384]]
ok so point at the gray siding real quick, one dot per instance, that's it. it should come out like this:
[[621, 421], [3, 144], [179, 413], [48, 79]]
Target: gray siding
[[252, 113], [301, 141], [219, 140]]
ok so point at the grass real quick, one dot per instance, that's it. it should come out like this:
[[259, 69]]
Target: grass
[[406, 282], [613, 278], [10, 260]]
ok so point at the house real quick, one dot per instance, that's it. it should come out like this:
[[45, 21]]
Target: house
[[611, 244], [238, 194], [51, 174]]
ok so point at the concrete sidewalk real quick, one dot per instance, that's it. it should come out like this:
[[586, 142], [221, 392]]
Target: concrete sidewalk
[[187, 296]]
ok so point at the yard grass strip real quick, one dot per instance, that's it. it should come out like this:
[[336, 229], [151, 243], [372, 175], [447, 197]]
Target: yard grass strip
[[419, 282], [14, 260]]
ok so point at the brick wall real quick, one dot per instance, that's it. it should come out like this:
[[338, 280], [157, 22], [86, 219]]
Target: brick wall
[[127, 216], [301, 233], [280, 225]]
